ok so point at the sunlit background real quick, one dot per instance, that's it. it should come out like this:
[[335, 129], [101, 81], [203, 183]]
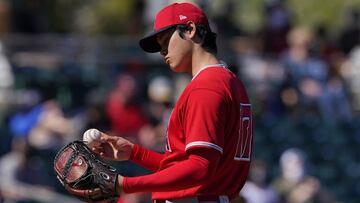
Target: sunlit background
[[66, 66]]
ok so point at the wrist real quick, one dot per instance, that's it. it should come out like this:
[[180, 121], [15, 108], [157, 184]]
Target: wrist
[[134, 148], [119, 184]]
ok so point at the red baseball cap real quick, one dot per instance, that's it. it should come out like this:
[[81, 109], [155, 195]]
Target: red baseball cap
[[174, 14]]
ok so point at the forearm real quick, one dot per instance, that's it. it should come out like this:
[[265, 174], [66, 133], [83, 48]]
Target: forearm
[[146, 158], [191, 172]]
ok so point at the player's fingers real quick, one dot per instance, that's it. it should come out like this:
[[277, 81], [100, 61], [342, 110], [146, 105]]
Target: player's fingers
[[97, 149], [105, 150], [100, 151], [108, 138]]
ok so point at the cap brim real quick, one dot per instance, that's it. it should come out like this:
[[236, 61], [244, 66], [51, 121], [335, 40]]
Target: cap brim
[[150, 43]]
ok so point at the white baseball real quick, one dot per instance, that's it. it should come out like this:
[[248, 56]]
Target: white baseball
[[91, 137]]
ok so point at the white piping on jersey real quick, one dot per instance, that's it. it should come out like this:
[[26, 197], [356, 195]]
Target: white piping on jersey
[[206, 144], [209, 66]]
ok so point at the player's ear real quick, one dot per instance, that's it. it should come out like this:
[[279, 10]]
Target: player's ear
[[191, 29], [187, 31]]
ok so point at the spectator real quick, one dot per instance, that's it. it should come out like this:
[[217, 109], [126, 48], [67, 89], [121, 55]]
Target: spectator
[[294, 184], [257, 189], [350, 71], [27, 114], [350, 35], [277, 25], [52, 129], [12, 160], [160, 93], [305, 73], [264, 76], [23, 179], [324, 44], [124, 112], [6, 84], [42, 124], [317, 89]]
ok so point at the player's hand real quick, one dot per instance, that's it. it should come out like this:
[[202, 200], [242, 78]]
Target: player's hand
[[96, 193], [113, 148]]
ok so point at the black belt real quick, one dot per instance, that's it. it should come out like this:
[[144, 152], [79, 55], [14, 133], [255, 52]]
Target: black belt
[[209, 198], [159, 201]]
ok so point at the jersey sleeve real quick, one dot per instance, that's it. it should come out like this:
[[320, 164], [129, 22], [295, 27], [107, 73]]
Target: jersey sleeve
[[204, 120], [188, 173], [146, 158]]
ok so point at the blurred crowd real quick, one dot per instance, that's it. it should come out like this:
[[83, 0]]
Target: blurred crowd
[[304, 86]]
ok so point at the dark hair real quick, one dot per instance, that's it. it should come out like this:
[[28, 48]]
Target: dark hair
[[205, 34]]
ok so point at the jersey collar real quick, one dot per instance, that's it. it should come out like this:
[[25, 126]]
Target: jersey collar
[[209, 66]]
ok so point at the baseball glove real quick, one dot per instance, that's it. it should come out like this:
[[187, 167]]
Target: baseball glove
[[83, 174]]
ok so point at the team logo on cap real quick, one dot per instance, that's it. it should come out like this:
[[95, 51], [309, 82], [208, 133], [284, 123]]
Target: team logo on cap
[[182, 17]]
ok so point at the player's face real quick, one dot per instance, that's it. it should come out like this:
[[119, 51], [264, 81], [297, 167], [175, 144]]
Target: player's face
[[176, 50]]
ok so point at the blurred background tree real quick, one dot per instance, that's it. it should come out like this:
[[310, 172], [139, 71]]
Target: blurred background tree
[[112, 17], [330, 13], [81, 17], [73, 51], [250, 16]]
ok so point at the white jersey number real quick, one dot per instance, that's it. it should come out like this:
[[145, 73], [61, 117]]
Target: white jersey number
[[244, 144]]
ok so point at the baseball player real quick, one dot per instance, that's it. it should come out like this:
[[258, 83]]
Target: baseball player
[[210, 131]]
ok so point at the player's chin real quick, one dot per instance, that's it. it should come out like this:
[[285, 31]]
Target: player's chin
[[177, 68], [174, 68]]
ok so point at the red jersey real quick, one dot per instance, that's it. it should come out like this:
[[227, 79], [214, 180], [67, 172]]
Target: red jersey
[[125, 119], [213, 112]]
